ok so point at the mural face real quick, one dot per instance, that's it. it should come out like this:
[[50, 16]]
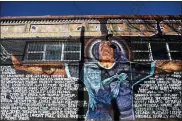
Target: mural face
[[106, 54]]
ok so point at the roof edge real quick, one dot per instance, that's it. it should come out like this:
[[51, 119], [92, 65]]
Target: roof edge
[[160, 17]]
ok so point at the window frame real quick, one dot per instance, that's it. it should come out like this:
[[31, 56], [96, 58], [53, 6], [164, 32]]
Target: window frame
[[44, 51], [151, 58]]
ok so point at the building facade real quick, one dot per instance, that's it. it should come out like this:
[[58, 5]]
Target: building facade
[[103, 67]]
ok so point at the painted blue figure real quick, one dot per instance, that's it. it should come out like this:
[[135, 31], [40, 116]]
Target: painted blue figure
[[109, 79]]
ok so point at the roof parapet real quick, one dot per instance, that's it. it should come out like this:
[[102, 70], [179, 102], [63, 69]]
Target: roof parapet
[[156, 17]]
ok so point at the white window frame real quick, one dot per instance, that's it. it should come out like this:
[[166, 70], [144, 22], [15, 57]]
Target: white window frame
[[168, 50], [63, 51], [150, 57]]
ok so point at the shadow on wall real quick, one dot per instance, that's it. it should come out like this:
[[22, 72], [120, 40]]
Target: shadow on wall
[[116, 112], [47, 119], [144, 120]]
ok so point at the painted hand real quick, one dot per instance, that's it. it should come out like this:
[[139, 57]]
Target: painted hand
[[122, 76]]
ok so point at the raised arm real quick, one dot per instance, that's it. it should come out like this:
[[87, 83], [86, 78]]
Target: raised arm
[[18, 66], [56, 69], [162, 67], [168, 66]]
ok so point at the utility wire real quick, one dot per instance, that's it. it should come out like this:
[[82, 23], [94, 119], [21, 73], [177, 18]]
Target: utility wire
[[77, 8]]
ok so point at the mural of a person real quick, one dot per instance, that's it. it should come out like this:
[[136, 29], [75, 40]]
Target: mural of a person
[[110, 78]]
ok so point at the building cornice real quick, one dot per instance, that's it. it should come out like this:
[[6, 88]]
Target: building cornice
[[156, 17]]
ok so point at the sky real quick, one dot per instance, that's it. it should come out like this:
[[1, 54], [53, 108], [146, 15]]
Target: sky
[[34, 8]]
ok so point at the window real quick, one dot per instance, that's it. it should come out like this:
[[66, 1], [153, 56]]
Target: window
[[175, 50], [153, 50], [53, 51], [141, 51], [159, 51]]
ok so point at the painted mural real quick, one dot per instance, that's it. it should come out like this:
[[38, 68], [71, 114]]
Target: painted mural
[[64, 27], [127, 29], [132, 28], [171, 27], [49, 28], [128, 71], [12, 28], [38, 90], [118, 28], [112, 77]]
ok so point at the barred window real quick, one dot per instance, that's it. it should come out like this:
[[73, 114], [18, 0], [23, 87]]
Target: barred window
[[53, 51]]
